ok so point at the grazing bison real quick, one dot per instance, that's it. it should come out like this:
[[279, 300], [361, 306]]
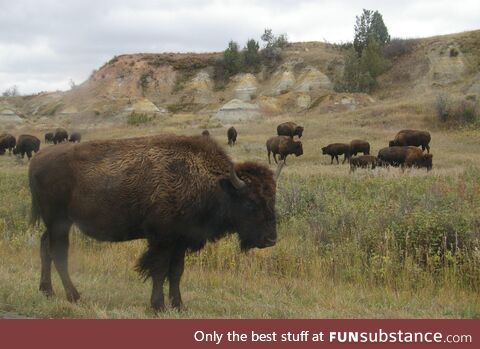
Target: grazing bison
[[363, 161], [284, 146], [232, 136], [7, 141], [205, 133], [412, 137], [336, 149], [405, 157], [289, 129], [75, 137], [358, 146], [60, 136], [48, 137], [26, 144], [177, 192]]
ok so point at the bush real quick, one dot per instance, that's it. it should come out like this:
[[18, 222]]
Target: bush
[[398, 47], [457, 111], [441, 107], [136, 119]]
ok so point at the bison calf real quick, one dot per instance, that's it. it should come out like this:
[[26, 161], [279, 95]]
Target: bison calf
[[61, 135], [412, 137], [284, 146], [358, 146], [26, 144], [48, 137], [363, 161], [336, 149], [405, 157], [7, 141], [75, 137], [232, 136], [289, 129]]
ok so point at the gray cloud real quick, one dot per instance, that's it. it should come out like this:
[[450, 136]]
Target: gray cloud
[[44, 44]]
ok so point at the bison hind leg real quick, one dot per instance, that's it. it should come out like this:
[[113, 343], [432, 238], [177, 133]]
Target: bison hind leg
[[46, 273]]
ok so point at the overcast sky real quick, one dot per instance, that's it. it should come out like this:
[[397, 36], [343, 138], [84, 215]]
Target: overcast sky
[[45, 43]]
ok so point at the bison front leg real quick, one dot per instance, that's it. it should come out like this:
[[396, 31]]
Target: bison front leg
[[175, 272]]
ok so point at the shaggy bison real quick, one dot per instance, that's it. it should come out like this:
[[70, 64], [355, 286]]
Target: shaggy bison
[[358, 146], [363, 161], [205, 133], [75, 137], [412, 137], [232, 136], [179, 193], [405, 157], [48, 137], [336, 149], [7, 141], [27, 144], [60, 136], [284, 146], [289, 129]]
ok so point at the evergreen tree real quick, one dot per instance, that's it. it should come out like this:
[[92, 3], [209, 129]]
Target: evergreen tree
[[369, 26], [251, 56], [233, 59]]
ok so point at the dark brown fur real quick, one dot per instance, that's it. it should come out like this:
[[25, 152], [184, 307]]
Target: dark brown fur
[[412, 137], [60, 136], [290, 129], [284, 146], [205, 133], [176, 192], [48, 137], [7, 141], [358, 146], [232, 136], [336, 149], [27, 144], [363, 161], [75, 137], [405, 157]]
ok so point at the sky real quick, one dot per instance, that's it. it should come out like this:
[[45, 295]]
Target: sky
[[44, 45]]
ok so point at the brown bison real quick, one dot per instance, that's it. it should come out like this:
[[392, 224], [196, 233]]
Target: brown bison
[[177, 192], [60, 136], [336, 149], [284, 146], [7, 141], [405, 157], [232, 136], [26, 144], [48, 137], [363, 161], [75, 137], [289, 129], [412, 137], [205, 133], [358, 146]]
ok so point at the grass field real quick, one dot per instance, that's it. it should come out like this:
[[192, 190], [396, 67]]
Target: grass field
[[373, 244]]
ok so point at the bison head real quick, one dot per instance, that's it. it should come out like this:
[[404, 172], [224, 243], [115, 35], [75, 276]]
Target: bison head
[[324, 150], [15, 151], [251, 196], [391, 143], [427, 161], [297, 148], [299, 131]]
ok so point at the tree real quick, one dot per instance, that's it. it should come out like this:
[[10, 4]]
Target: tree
[[251, 56], [233, 60], [272, 52], [11, 92], [369, 26]]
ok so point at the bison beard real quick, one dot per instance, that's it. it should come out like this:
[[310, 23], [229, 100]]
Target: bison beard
[[176, 192]]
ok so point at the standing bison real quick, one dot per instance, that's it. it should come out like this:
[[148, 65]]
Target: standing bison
[[363, 161], [405, 157], [7, 141], [60, 136], [177, 192], [48, 137], [289, 129], [412, 137], [27, 144], [232, 136], [283, 145], [336, 149], [75, 137], [358, 146]]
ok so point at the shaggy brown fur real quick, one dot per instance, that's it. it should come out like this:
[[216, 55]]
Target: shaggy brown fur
[[75, 137], [290, 129], [7, 141], [176, 192], [27, 144], [412, 137], [284, 146], [363, 161], [232, 136], [358, 146], [405, 157], [336, 149], [61, 135]]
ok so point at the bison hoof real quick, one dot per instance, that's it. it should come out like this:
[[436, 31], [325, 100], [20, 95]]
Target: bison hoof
[[73, 296], [178, 305], [47, 290]]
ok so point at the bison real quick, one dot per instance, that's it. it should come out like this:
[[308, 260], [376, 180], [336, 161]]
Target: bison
[[284, 146], [289, 129], [358, 146], [7, 141], [176, 192], [405, 157], [363, 161], [232, 136], [412, 137], [336, 149], [205, 133], [27, 144], [60, 136], [48, 137], [75, 137]]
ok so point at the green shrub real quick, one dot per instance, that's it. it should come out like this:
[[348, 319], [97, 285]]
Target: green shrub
[[136, 119]]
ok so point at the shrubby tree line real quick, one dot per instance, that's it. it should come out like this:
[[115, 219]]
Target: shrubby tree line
[[11, 92]]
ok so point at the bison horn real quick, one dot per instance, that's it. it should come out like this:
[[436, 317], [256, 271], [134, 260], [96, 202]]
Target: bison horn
[[279, 169], [237, 182]]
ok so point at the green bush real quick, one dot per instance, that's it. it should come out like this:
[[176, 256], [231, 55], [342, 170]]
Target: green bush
[[136, 119]]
